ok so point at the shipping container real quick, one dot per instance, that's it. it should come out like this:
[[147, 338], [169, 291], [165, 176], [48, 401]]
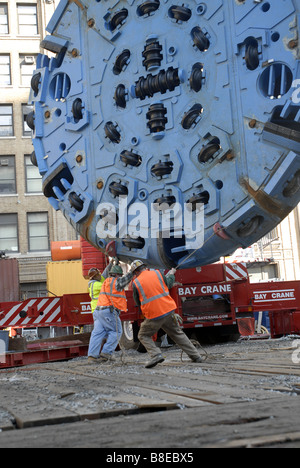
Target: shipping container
[[9, 280], [91, 258], [65, 278], [65, 250]]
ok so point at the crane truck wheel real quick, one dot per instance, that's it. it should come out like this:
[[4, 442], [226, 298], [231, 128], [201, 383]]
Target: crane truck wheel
[[127, 340]]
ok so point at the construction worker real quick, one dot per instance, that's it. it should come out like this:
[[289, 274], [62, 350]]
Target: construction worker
[[151, 293], [96, 280], [107, 323]]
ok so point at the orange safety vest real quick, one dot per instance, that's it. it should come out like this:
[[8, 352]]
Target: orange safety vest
[[154, 295], [110, 296]]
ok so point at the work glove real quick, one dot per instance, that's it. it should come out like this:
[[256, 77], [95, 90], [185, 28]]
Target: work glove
[[172, 271], [177, 319]]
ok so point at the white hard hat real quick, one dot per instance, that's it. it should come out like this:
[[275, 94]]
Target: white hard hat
[[136, 264]]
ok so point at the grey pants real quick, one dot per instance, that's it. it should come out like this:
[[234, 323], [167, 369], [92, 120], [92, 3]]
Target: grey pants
[[170, 326]]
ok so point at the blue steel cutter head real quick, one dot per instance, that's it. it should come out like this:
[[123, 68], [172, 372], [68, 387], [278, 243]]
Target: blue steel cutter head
[[164, 101]]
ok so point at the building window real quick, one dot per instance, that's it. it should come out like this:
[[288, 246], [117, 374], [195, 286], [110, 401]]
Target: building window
[[6, 120], [7, 175], [25, 111], [27, 20], [3, 18], [27, 67], [9, 232], [33, 179], [38, 232], [5, 75]]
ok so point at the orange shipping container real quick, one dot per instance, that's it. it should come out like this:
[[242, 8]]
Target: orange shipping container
[[65, 250]]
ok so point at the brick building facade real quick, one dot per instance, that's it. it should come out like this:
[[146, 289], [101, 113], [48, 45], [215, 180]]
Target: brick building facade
[[28, 223]]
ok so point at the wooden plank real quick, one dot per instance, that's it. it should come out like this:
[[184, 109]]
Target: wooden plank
[[186, 400], [260, 441], [46, 417], [142, 402], [33, 409], [264, 370]]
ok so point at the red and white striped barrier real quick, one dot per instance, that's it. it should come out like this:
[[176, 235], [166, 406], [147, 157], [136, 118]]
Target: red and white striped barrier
[[69, 309], [32, 312], [235, 271]]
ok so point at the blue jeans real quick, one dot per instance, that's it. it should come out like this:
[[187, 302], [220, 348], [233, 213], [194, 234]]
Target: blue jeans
[[107, 325]]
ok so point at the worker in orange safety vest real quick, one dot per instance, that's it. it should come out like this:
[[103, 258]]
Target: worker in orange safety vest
[[151, 293], [96, 280], [107, 323]]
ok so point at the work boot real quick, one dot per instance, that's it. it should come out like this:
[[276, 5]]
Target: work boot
[[93, 360], [105, 357], [197, 359], [154, 361]]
